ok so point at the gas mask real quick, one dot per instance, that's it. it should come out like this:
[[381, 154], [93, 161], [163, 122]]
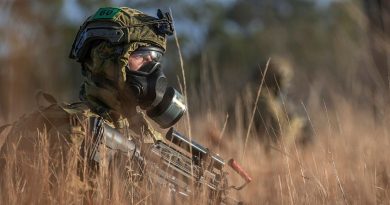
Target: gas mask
[[163, 104]]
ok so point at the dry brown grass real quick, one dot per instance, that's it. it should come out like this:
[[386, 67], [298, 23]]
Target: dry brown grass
[[347, 163]]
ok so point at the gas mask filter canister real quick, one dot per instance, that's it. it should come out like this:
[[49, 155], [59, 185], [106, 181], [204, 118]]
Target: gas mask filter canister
[[164, 105]]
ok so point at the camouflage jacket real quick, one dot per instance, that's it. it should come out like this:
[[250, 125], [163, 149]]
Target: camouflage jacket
[[60, 128]]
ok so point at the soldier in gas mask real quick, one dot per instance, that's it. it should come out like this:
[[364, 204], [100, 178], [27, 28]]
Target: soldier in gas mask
[[119, 50], [276, 118]]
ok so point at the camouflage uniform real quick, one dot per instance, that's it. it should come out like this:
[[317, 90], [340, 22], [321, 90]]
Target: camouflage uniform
[[274, 118], [61, 128]]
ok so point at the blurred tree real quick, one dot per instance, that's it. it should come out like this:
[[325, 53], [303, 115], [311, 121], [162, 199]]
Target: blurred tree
[[34, 52], [378, 13], [378, 16]]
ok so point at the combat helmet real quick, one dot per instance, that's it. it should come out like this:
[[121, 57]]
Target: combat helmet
[[120, 26], [279, 74]]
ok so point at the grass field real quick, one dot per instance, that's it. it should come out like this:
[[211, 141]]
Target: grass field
[[346, 163]]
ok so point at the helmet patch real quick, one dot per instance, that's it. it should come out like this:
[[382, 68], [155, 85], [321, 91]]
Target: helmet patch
[[106, 13]]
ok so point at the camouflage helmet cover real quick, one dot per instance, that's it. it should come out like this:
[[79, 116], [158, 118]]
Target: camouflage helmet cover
[[121, 26]]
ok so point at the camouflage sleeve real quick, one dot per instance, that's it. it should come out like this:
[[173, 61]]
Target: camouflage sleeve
[[142, 127]]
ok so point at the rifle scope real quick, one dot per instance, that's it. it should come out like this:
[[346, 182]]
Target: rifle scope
[[199, 152]]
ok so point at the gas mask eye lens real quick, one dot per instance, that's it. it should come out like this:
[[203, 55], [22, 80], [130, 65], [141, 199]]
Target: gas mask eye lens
[[152, 53], [156, 56], [146, 55]]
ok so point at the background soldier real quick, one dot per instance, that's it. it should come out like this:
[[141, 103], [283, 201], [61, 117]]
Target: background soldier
[[275, 117], [119, 50]]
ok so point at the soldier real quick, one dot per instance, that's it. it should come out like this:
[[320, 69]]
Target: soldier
[[275, 118], [119, 50]]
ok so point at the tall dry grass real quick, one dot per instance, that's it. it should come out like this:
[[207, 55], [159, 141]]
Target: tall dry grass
[[346, 163], [41, 175]]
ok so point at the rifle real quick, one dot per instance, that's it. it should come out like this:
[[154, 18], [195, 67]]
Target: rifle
[[187, 168]]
